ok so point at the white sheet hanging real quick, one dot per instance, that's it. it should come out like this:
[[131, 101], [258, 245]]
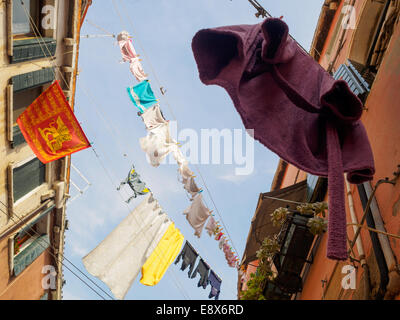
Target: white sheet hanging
[[118, 259]]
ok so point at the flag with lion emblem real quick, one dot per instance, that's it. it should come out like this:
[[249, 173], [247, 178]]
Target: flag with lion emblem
[[50, 127]]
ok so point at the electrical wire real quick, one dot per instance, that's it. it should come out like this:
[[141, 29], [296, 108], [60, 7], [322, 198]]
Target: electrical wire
[[57, 258]]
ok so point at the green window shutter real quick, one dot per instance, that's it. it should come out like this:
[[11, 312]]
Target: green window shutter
[[31, 49], [41, 216], [30, 254], [33, 79], [18, 137], [27, 177]]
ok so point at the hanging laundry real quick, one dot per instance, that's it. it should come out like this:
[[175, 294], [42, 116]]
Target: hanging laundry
[[118, 259], [158, 144], [188, 256], [314, 125], [221, 243], [142, 96], [50, 128], [197, 214], [162, 257], [128, 53], [202, 269], [137, 185], [191, 187], [183, 166], [218, 236], [153, 117], [215, 283], [137, 70], [211, 226]]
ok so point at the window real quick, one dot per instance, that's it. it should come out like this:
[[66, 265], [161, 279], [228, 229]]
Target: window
[[21, 20], [30, 242], [27, 177], [26, 39], [25, 89]]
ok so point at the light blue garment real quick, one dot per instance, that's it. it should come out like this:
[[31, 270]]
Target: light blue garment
[[142, 96]]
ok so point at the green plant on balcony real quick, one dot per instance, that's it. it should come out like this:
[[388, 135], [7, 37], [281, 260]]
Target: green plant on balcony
[[257, 282], [270, 246], [278, 217]]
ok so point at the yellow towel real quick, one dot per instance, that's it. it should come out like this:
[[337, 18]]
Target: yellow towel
[[163, 255]]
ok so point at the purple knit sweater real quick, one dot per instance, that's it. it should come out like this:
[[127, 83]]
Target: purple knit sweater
[[295, 107]]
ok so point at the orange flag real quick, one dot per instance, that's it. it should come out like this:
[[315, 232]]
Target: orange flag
[[50, 127]]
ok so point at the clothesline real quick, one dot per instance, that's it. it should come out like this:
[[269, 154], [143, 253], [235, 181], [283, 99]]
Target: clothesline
[[57, 70], [155, 75]]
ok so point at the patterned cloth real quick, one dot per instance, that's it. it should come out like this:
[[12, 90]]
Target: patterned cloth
[[137, 185]]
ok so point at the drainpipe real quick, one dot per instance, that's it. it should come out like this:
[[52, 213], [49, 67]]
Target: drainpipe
[[360, 247], [393, 287]]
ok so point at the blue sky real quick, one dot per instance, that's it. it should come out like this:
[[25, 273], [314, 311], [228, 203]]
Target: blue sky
[[164, 29]]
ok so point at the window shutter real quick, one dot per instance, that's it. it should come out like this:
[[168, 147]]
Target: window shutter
[[27, 177], [350, 74], [31, 49], [18, 137], [30, 254], [33, 79], [42, 215]]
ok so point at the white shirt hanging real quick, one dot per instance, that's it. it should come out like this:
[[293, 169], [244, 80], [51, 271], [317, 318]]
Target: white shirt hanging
[[197, 214], [153, 118], [158, 144]]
